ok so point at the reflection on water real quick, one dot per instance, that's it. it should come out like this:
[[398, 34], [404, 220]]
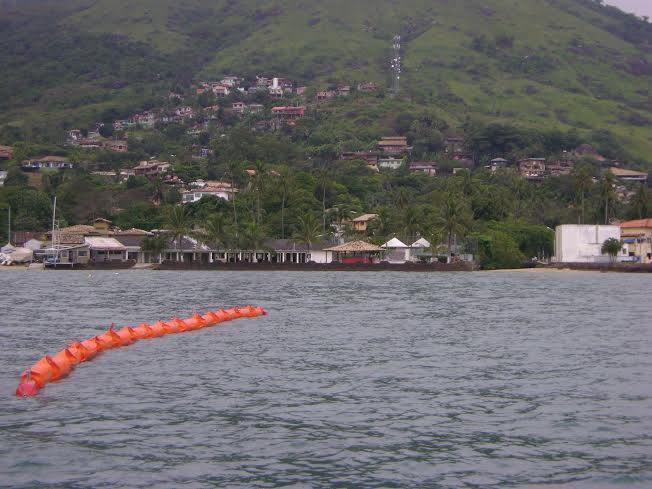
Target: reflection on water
[[354, 380]]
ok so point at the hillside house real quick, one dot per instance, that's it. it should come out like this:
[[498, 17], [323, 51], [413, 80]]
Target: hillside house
[[3, 177], [343, 90], [301, 90], [276, 92], [55, 162], [390, 162], [255, 108], [116, 145], [394, 145], [231, 81], [6, 152], [238, 107], [454, 145], [73, 136], [532, 168], [497, 164], [326, 95], [184, 113], [368, 87], [221, 190], [423, 168], [220, 91], [628, 175], [361, 223], [288, 113], [560, 168], [371, 158], [151, 168]]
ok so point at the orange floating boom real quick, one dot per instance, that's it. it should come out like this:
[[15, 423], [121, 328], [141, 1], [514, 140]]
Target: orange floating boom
[[51, 368]]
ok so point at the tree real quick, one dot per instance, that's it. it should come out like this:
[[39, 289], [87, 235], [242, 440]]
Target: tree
[[154, 245], [640, 206], [498, 251], [307, 230], [582, 180], [254, 236], [323, 180], [106, 130], [607, 193], [259, 180], [234, 168], [454, 218], [178, 224], [612, 247], [285, 184], [215, 231]]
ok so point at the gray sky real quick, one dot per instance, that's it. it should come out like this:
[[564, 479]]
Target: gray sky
[[638, 7]]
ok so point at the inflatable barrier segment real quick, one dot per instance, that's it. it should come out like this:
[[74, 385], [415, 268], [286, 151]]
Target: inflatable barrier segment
[[52, 368]]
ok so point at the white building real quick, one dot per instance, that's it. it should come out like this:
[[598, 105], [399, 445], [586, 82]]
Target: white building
[[390, 162], [3, 177], [397, 251], [583, 243], [224, 191]]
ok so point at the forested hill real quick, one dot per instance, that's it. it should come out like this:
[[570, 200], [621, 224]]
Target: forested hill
[[533, 63]]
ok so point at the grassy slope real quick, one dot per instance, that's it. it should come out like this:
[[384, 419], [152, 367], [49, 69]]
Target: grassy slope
[[564, 68]]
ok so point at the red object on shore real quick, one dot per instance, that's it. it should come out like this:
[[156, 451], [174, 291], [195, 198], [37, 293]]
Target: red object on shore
[[48, 369]]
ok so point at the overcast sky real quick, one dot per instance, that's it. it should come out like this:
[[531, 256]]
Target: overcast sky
[[639, 7]]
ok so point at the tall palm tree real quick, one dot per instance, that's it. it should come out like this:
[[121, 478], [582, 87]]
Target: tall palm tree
[[285, 185], [215, 231], [454, 218], [234, 168], [607, 193], [307, 231], [154, 245], [254, 236], [178, 223], [323, 181], [582, 180], [259, 181], [640, 205], [410, 223]]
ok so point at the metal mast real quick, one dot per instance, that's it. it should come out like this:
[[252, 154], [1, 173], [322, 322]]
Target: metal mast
[[396, 65]]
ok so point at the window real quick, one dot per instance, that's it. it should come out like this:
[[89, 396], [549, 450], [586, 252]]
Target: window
[[82, 253]]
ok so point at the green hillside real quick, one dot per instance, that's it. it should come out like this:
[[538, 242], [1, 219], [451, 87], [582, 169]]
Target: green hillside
[[542, 64]]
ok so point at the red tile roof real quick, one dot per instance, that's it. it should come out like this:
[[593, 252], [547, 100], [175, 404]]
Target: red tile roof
[[640, 223]]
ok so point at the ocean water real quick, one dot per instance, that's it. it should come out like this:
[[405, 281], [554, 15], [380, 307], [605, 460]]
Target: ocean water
[[354, 380]]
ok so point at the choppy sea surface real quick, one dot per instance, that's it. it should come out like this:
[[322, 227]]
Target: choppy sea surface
[[354, 380]]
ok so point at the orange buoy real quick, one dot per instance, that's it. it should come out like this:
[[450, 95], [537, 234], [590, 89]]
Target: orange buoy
[[48, 369]]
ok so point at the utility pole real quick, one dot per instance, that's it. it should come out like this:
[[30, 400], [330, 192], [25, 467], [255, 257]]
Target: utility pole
[[396, 65]]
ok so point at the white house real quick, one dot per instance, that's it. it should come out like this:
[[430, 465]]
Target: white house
[[397, 251], [223, 191], [583, 243], [3, 177], [390, 162]]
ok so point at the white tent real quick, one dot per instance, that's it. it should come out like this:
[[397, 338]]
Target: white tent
[[394, 243], [421, 243]]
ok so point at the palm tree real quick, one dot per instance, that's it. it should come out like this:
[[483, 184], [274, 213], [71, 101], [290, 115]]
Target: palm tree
[[323, 180], [215, 231], [259, 185], [640, 205], [234, 168], [307, 231], [410, 223], [154, 245], [453, 219], [582, 179], [607, 193], [178, 223], [254, 236], [285, 186]]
